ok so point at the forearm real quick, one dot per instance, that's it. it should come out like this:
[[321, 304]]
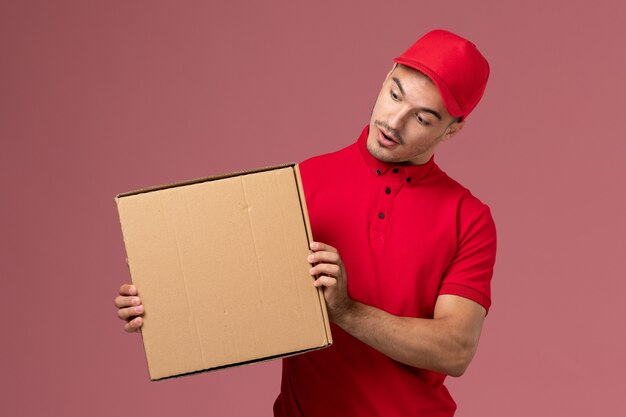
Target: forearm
[[433, 344], [445, 344]]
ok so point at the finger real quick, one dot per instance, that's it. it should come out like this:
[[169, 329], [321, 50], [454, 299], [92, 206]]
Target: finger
[[128, 289], [318, 246], [122, 301], [325, 281], [324, 256], [134, 325], [125, 313], [331, 270]]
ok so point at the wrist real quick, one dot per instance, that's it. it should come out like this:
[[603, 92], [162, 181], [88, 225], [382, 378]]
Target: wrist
[[345, 317]]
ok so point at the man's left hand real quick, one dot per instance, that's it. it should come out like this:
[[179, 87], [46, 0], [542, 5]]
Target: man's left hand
[[446, 343], [330, 273]]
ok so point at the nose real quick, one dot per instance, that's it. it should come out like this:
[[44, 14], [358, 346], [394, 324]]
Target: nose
[[397, 117]]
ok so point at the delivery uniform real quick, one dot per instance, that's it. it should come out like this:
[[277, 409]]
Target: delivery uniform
[[406, 234]]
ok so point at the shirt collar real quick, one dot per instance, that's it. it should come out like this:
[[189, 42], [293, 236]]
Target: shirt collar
[[412, 173]]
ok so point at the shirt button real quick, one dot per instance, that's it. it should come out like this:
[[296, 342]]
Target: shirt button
[[408, 179], [381, 215], [378, 172], [395, 170], [387, 190]]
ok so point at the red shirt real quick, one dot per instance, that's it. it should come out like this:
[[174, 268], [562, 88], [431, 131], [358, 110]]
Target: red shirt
[[406, 233]]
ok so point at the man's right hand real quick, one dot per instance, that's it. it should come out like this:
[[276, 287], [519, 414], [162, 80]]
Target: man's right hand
[[130, 308]]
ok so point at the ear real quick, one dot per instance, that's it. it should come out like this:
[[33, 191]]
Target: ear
[[452, 130]]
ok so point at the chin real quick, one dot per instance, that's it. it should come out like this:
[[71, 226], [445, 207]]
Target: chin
[[380, 153]]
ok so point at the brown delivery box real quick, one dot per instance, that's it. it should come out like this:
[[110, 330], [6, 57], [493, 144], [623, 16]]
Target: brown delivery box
[[220, 265]]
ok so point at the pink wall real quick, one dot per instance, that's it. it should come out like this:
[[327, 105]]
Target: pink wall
[[102, 97]]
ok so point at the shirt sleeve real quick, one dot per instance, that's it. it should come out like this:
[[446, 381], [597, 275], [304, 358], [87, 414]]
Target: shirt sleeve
[[471, 269]]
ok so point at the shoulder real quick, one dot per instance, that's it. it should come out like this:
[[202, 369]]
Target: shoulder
[[455, 191], [328, 164], [471, 269], [338, 156], [470, 210]]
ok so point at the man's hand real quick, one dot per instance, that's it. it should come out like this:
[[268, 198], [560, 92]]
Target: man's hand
[[130, 308], [446, 343], [330, 273]]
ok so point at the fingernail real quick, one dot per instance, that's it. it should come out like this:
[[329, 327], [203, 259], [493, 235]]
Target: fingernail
[[139, 309], [135, 301], [310, 258], [312, 271]]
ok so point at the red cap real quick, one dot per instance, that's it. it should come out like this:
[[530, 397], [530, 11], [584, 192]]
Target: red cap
[[454, 64]]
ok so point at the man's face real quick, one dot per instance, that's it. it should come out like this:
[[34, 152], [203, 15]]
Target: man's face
[[409, 119]]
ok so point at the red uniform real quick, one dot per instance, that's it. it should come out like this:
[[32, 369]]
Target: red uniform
[[406, 234]]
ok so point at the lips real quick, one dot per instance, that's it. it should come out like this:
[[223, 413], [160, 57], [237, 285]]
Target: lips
[[386, 140]]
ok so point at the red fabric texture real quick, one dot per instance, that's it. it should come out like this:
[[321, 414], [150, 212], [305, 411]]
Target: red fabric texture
[[433, 237], [454, 64]]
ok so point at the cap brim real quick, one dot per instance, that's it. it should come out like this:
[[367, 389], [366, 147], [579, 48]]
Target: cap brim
[[448, 99]]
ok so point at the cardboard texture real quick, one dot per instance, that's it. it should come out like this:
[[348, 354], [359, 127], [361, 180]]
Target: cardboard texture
[[220, 266]]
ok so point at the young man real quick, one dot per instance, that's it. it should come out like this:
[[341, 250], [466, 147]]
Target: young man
[[408, 253]]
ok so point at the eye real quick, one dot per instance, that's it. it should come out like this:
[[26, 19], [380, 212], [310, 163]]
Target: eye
[[394, 95], [422, 121]]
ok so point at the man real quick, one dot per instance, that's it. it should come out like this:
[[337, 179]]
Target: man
[[408, 253]]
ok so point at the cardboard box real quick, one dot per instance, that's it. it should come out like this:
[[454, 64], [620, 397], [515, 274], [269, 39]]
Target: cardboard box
[[220, 265]]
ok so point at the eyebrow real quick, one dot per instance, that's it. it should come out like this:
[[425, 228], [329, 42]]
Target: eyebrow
[[424, 109]]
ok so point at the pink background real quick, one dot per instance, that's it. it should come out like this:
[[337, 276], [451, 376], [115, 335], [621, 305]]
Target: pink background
[[98, 98]]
